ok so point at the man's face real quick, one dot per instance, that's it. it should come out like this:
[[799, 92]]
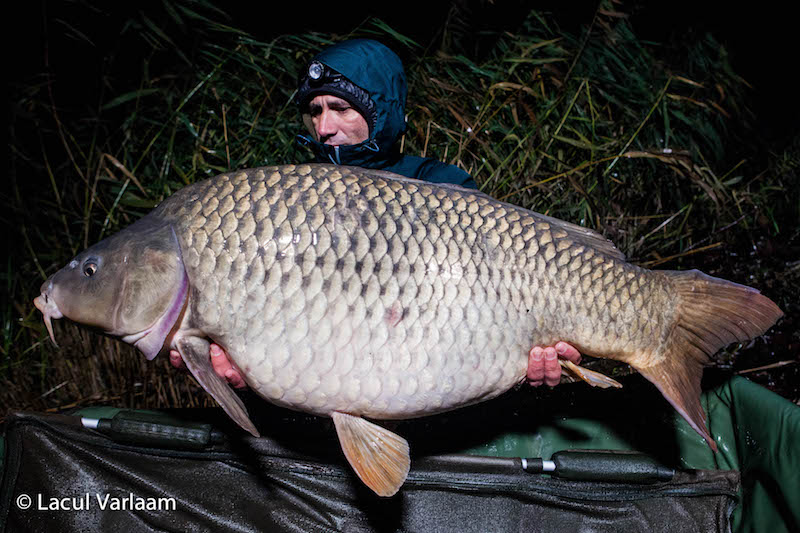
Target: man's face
[[336, 122]]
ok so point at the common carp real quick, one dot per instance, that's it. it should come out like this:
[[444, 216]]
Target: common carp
[[359, 294]]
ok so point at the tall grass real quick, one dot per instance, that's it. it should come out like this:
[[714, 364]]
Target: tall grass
[[598, 128]]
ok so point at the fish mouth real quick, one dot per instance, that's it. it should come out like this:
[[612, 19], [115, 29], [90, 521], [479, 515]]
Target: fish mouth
[[47, 305]]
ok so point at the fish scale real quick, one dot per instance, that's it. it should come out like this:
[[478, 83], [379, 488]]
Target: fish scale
[[472, 283], [357, 293]]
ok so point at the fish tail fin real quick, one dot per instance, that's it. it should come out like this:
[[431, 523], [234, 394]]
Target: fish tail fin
[[711, 313]]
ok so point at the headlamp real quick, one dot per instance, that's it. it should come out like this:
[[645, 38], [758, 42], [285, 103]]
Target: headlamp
[[316, 70]]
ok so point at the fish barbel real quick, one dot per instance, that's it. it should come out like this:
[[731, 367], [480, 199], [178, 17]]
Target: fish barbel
[[356, 294]]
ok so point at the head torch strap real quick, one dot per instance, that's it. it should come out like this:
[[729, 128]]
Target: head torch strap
[[321, 79]]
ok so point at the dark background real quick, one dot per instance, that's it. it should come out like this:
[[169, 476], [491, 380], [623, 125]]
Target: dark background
[[761, 39]]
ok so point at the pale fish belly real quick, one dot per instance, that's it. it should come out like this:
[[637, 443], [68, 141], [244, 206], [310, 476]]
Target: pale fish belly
[[386, 371], [444, 341]]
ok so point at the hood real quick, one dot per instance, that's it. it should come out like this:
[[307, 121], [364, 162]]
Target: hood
[[377, 70]]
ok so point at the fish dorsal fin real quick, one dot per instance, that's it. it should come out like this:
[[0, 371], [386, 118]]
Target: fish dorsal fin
[[577, 233], [583, 235], [379, 457]]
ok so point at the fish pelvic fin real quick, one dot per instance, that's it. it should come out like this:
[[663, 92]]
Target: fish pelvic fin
[[196, 354], [711, 313], [379, 457]]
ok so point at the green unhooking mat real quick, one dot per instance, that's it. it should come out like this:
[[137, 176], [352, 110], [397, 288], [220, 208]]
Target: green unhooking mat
[[188, 475]]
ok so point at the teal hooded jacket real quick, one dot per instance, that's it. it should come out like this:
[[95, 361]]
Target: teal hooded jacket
[[377, 70]]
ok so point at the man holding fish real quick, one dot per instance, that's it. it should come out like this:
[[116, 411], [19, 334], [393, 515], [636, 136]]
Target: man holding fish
[[352, 98]]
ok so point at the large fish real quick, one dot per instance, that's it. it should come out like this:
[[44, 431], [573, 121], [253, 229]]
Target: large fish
[[358, 294]]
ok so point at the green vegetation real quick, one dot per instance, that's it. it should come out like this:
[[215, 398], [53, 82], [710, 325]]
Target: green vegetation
[[598, 128]]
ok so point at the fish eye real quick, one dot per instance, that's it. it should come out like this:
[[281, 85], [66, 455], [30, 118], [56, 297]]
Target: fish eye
[[89, 269]]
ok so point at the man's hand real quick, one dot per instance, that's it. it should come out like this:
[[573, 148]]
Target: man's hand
[[543, 365], [223, 366]]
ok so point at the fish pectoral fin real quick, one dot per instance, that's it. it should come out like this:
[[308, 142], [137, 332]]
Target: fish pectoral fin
[[197, 356], [595, 379], [379, 457]]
